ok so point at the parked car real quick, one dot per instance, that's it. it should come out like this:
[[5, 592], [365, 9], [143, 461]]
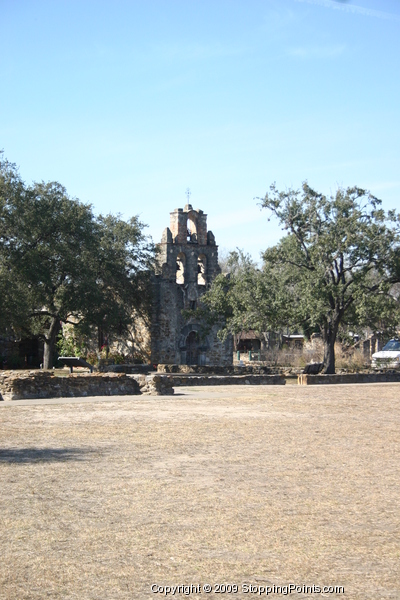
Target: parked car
[[388, 357]]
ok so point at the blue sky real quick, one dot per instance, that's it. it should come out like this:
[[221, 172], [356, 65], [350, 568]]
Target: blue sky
[[128, 103]]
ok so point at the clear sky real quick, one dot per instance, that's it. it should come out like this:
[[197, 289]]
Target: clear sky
[[128, 103]]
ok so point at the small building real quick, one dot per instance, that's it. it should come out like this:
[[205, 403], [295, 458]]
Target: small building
[[247, 341], [293, 341], [252, 341], [188, 262]]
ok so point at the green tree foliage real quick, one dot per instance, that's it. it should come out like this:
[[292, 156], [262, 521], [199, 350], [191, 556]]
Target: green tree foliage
[[61, 264], [237, 300], [342, 256], [11, 289], [246, 298], [336, 266], [122, 261]]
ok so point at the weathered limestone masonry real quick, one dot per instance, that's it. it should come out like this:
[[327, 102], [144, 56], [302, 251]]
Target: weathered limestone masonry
[[349, 378], [20, 385], [188, 264], [196, 380], [217, 370]]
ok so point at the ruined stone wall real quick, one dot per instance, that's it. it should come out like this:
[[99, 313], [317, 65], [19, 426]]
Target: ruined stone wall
[[253, 369], [204, 380], [20, 385], [389, 377]]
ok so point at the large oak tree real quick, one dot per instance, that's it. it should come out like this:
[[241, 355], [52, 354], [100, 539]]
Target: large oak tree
[[342, 256], [336, 265], [61, 264]]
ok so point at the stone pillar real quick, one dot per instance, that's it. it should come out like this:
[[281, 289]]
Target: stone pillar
[[202, 228], [178, 226]]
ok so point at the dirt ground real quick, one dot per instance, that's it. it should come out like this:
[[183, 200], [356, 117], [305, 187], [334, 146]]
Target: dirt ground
[[101, 499]]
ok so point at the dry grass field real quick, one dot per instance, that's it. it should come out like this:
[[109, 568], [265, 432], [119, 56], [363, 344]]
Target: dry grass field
[[232, 485]]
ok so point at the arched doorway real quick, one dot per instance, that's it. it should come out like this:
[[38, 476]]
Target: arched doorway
[[192, 348]]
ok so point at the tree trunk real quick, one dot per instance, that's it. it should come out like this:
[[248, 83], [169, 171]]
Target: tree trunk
[[329, 356], [49, 342], [329, 337], [100, 338]]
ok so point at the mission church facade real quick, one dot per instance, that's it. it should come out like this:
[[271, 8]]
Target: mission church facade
[[188, 262]]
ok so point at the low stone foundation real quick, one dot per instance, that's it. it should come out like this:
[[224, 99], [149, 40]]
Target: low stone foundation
[[154, 385], [183, 380], [20, 385], [348, 378], [127, 369], [215, 370]]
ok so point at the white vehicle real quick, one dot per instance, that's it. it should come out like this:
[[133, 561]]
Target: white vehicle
[[388, 357]]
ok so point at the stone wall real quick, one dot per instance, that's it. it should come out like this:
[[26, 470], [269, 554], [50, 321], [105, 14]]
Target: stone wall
[[197, 380], [155, 385], [348, 378], [19, 385], [129, 369], [219, 370]]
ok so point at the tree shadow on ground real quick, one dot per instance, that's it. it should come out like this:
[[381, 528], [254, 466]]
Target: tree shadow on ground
[[37, 455]]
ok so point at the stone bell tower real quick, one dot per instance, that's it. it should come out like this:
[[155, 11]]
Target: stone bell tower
[[188, 262]]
